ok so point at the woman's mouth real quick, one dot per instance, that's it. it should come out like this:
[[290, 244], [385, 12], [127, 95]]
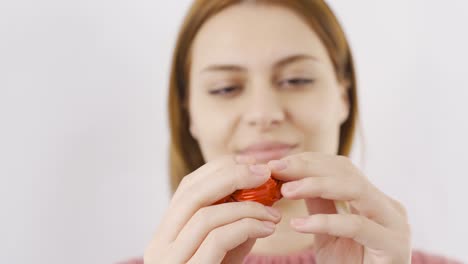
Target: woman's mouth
[[268, 150]]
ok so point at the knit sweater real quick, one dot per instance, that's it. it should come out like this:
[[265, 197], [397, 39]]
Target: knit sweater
[[307, 257]]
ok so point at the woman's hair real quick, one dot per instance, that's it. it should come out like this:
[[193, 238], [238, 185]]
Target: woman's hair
[[185, 154]]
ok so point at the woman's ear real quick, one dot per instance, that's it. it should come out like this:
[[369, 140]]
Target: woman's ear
[[345, 86]]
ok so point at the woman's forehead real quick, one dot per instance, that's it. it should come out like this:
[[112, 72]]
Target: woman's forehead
[[252, 35]]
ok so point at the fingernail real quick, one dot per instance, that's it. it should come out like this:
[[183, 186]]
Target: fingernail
[[298, 221], [269, 225], [290, 186], [259, 170], [278, 165], [273, 211]]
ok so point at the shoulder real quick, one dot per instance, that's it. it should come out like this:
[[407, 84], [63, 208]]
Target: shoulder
[[421, 257]]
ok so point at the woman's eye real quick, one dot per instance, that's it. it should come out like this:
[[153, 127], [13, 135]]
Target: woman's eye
[[226, 91], [296, 82]]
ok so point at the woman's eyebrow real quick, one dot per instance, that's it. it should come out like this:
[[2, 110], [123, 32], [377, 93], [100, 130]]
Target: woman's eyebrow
[[224, 67], [281, 63], [294, 58]]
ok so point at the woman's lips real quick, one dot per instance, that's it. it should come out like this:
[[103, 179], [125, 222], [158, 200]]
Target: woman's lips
[[264, 152]]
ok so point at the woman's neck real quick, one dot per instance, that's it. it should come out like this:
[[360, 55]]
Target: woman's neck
[[285, 240]]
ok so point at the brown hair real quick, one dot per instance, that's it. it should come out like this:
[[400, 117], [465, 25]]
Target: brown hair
[[185, 154]]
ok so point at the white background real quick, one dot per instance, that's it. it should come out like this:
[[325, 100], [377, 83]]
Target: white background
[[83, 128]]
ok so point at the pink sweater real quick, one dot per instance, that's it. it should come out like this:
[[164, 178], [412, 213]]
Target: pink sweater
[[307, 257]]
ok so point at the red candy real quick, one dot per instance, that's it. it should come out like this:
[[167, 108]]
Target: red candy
[[266, 194]]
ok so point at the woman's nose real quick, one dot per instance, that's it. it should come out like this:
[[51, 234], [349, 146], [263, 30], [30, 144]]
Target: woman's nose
[[265, 111]]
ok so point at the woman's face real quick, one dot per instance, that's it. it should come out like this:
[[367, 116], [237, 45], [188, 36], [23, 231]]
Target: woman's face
[[262, 83]]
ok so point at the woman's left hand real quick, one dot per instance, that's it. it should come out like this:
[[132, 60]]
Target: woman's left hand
[[376, 231]]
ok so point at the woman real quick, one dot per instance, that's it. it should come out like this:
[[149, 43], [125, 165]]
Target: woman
[[264, 89]]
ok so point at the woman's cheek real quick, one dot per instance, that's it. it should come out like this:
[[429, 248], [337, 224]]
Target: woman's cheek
[[216, 129], [212, 127], [307, 111], [318, 125]]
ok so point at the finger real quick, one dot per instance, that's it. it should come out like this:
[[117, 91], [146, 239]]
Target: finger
[[212, 217], [221, 182], [315, 164], [327, 188], [223, 239], [336, 176], [206, 186], [201, 173], [359, 228], [398, 206], [209, 168], [368, 201]]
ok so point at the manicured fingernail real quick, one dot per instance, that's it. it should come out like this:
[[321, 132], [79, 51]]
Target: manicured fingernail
[[269, 225], [291, 186], [278, 165], [298, 221], [260, 170], [273, 211], [244, 159]]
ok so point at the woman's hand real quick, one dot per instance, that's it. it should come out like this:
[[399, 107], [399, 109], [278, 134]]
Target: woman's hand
[[377, 230], [195, 231]]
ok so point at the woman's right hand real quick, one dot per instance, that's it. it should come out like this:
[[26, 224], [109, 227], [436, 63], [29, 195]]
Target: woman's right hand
[[193, 230]]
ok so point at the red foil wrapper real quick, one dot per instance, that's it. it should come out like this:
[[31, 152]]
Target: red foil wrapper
[[266, 194]]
